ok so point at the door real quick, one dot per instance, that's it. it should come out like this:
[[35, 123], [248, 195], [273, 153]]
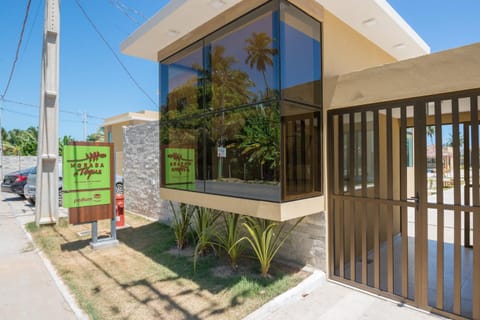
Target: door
[[404, 201]]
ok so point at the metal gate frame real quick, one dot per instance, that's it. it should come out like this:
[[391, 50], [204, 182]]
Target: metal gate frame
[[352, 200]]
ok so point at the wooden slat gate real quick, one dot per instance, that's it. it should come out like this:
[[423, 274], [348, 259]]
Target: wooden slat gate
[[404, 200]]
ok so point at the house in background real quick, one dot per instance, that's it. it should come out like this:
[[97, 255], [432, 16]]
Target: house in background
[[283, 109], [113, 130]]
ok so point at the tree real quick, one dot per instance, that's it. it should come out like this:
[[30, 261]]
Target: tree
[[97, 136], [260, 54], [431, 133], [65, 140]]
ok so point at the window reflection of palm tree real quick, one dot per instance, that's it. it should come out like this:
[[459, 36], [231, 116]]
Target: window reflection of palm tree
[[230, 86], [260, 54]]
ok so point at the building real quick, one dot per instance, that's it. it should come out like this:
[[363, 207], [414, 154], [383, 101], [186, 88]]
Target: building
[[113, 131], [281, 109]]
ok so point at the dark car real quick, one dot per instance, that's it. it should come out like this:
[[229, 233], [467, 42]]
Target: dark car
[[14, 182]]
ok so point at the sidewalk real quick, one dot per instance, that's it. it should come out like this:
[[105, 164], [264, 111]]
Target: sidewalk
[[318, 299], [27, 288]]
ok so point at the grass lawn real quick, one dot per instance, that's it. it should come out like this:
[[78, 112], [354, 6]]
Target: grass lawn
[[144, 278]]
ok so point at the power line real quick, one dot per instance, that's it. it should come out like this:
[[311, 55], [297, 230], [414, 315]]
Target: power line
[[114, 53], [12, 71], [37, 107], [123, 8]]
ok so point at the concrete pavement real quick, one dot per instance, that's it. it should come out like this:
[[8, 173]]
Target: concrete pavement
[[28, 287], [318, 299]]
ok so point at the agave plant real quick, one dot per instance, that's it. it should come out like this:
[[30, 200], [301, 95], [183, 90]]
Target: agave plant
[[182, 218], [204, 230], [230, 238], [266, 238]]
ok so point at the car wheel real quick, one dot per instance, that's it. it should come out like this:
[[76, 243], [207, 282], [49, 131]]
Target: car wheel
[[60, 197], [119, 188]]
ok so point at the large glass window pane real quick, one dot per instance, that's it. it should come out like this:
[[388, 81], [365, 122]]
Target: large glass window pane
[[243, 148], [243, 61], [182, 154], [300, 56], [301, 147], [181, 84]]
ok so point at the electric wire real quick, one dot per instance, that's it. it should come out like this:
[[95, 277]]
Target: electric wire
[[123, 8], [94, 26], [19, 44]]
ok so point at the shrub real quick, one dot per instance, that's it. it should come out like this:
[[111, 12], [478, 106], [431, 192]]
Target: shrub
[[204, 230], [230, 238], [266, 238], [181, 222]]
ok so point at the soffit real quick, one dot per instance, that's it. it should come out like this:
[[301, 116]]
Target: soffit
[[374, 19]]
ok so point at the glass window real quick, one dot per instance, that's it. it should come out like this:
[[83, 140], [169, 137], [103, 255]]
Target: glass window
[[181, 84], [181, 155], [225, 127], [301, 146], [243, 147], [300, 56], [243, 61]]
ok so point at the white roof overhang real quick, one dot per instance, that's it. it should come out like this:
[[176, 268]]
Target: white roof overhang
[[374, 19]]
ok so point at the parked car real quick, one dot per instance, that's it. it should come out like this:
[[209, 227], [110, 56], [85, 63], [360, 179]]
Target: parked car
[[14, 182], [30, 186]]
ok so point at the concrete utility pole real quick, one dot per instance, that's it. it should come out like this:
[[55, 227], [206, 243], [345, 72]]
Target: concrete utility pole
[[46, 211]]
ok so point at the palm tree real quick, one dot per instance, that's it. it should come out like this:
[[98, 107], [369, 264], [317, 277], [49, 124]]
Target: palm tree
[[230, 87], [260, 54], [431, 133]]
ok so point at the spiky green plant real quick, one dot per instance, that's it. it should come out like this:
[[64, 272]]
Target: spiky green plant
[[266, 237], [182, 218], [203, 228], [230, 237]]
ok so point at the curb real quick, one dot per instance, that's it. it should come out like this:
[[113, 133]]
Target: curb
[[64, 291], [316, 279]]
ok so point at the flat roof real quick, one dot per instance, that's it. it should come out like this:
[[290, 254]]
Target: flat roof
[[374, 19]]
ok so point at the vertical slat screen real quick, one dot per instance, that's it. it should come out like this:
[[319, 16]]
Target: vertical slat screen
[[376, 235], [457, 218], [351, 189], [476, 203], [341, 245], [466, 177], [364, 195], [389, 210], [440, 215], [403, 197]]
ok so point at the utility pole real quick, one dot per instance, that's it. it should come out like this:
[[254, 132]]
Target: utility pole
[[84, 126], [46, 209]]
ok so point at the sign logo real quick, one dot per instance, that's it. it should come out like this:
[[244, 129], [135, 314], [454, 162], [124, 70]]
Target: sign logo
[[180, 168]]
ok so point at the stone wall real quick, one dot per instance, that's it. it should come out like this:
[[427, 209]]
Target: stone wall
[[14, 163], [141, 171], [305, 246]]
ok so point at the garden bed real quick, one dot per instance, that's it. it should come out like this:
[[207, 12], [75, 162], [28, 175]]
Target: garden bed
[[146, 278]]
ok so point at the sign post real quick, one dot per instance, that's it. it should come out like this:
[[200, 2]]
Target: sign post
[[88, 186]]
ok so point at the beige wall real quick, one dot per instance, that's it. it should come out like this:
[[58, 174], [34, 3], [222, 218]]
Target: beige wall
[[345, 50]]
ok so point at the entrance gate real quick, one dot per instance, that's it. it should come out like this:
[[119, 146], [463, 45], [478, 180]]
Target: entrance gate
[[404, 201]]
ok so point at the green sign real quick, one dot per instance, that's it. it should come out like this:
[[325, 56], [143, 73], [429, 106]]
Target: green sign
[[86, 198], [86, 167], [180, 168]]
